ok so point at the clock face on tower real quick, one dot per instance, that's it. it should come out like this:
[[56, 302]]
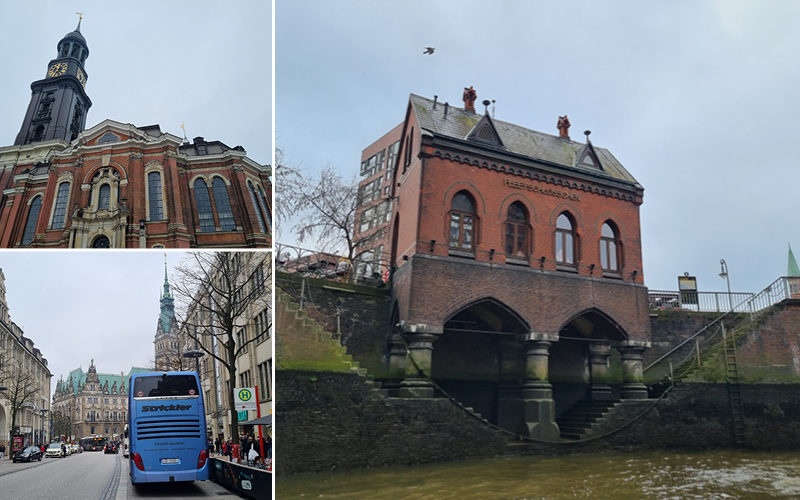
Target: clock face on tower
[[57, 69], [81, 77]]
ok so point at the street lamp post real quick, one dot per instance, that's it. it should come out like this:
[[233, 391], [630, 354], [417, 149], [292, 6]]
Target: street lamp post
[[196, 354], [724, 275]]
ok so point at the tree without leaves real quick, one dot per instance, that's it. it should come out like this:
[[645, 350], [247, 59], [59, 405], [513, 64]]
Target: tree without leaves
[[324, 209], [215, 292], [22, 387]]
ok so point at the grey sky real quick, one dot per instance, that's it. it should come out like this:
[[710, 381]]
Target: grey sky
[[82, 305], [698, 99], [203, 63]]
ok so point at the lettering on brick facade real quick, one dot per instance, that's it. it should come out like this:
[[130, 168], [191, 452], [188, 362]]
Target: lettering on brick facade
[[538, 189]]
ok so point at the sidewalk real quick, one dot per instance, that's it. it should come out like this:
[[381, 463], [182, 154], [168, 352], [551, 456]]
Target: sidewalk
[[7, 466]]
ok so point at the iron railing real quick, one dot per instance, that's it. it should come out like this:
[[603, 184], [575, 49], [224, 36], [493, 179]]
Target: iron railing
[[364, 269], [699, 301], [753, 307]]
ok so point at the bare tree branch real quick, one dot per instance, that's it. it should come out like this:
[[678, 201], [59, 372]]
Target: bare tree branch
[[216, 292]]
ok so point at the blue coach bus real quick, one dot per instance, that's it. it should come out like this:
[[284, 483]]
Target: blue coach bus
[[167, 431]]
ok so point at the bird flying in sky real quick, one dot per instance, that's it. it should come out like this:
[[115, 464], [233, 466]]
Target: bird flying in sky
[[429, 50]]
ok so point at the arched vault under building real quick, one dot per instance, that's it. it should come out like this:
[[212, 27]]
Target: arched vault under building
[[479, 351]]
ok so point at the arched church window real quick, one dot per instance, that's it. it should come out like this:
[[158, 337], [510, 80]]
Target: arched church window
[[101, 242], [265, 207], [60, 211], [156, 202], [38, 133], [609, 248], [203, 206], [462, 222], [516, 231], [30, 224], [104, 197], [223, 203], [565, 240], [256, 205]]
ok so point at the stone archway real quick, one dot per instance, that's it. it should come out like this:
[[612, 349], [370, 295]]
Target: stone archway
[[479, 353], [580, 362]]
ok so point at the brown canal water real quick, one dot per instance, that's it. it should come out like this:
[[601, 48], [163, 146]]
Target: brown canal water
[[634, 476]]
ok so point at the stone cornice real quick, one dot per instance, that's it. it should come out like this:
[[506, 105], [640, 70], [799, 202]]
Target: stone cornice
[[535, 171]]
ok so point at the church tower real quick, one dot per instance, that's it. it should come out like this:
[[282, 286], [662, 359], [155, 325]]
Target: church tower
[[166, 341], [59, 103]]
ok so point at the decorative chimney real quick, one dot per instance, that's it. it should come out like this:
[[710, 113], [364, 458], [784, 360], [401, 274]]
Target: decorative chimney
[[563, 127], [469, 98]]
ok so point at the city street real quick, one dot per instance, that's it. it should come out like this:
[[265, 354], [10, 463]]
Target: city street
[[89, 476]]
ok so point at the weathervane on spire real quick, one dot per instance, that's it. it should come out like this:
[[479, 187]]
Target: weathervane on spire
[[80, 18]]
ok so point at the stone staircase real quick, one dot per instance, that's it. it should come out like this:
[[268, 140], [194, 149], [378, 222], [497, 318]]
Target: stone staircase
[[303, 345], [714, 350], [581, 418]]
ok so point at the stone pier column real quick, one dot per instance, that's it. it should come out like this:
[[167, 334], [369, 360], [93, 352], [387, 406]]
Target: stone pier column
[[598, 360], [510, 406], [397, 363], [631, 352], [420, 340], [537, 393]]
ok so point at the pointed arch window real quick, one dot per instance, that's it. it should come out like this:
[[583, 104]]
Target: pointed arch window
[[462, 222], [609, 249], [256, 206], [156, 202], [104, 199], [223, 203], [203, 206], [30, 224], [516, 231], [61, 205], [565, 240]]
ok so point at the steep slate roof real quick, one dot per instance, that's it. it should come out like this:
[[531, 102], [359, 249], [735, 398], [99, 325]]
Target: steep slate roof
[[518, 140]]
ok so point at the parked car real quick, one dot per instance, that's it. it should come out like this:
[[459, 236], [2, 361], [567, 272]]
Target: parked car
[[110, 448], [54, 450], [28, 454], [74, 448]]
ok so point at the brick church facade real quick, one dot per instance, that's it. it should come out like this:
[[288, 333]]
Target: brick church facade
[[517, 283], [118, 185]]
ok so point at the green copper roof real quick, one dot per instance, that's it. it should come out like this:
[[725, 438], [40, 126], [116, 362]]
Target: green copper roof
[[792, 270], [79, 378]]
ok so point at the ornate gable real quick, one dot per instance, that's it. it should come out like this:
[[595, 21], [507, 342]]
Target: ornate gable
[[485, 132]]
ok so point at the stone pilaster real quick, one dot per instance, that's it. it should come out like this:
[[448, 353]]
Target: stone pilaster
[[631, 353], [416, 383], [598, 360], [537, 393], [397, 363]]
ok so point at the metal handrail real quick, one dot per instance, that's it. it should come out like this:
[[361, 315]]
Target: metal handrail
[[307, 263], [777, 291]]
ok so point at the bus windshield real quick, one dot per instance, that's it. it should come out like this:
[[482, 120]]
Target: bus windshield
[[160, 386]]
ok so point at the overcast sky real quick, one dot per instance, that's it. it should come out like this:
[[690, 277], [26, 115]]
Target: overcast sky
[[82, 305], [698, 99], [203, 63]]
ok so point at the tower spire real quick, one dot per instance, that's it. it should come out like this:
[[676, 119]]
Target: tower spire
[[166, 293], [80, 14], [792, 269]]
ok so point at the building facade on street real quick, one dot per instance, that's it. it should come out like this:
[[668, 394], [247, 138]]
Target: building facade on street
[[517, 281], [93, 403], [253, 339], [118, 185], [24, 373]]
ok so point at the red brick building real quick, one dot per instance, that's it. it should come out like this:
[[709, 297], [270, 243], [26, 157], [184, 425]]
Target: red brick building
[[121, 186], [517, 281]]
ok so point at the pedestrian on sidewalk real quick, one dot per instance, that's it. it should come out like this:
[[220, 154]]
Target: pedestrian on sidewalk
[[2, 451]]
